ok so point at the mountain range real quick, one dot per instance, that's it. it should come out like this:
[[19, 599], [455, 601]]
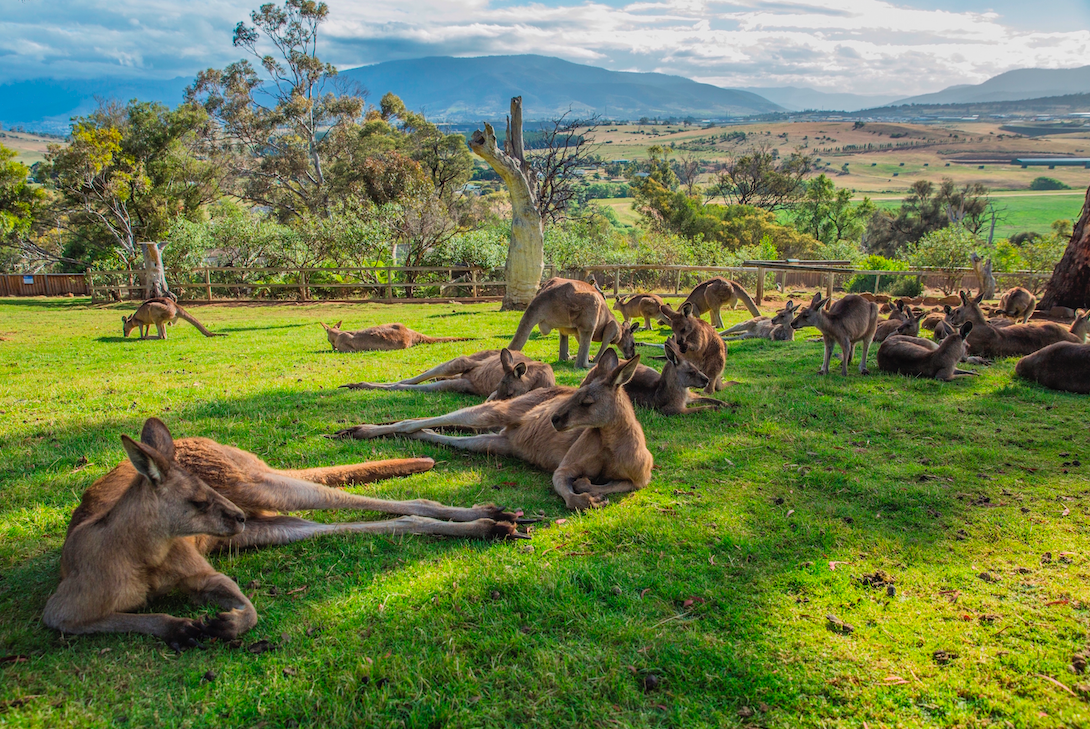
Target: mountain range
[[471, 89]]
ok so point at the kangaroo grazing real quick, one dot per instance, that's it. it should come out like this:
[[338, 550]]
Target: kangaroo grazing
[[667, 392], [142, 530], [160, 312], [715, 293], [908, 325], [902, 355], [1016, 339], [382, 338], [850, 320], [574, 308], [777, 328], [639, 305], [588, 437], [1018, 303], [498, 374], [699, 343], [1060, 366]]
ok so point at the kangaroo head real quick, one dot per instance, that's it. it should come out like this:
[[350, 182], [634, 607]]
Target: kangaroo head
[[618, 303], [1081, 326], [331, 332], [513, 383], [600, 401], [687, 373], [811, 315], [968, 311], [628, 341], [785, 315], [911, 324], [128, 323], [186, 505], [685, 325]]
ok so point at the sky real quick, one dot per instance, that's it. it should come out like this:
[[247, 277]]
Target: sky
[[891, 47]]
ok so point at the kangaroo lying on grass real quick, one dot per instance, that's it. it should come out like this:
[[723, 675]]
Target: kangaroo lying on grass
[[639, 305], [1018, 303], [907, 325], [699, 343], [160, 312], [588, 437], [850, 320], [911, 355], [498, 374], [142, 530], [667, 392], [715, 293], [574, 308], [1016, 339], [1060, 366], [777, 328], [384, 337]]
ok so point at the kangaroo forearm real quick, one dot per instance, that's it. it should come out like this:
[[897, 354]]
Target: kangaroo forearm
[[361, 472]]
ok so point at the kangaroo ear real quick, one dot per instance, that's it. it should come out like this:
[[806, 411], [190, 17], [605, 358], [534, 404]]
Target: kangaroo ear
[[946, 309], [979, 297], [519, 370], [608, 360], [671, 352], [965, 329], [156, 435], [790, 305], [506, 360], [666, 311], [687, 309], [964, 297], [338, 324], [625, 372], [148, 462], [826, 302], [816, 300]]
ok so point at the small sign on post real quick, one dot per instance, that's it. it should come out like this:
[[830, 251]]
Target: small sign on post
[[29, 280]]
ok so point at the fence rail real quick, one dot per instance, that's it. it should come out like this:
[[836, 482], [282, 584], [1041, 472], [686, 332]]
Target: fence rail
[[390, 284]]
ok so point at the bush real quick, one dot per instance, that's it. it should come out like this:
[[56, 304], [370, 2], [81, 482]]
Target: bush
[[947, 250], [861, 283], [907, 286], [1048, 183]]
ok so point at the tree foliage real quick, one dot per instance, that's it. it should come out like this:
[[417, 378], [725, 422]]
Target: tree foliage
[[927, 208], [761, 178], [827, 214], [21, 205]]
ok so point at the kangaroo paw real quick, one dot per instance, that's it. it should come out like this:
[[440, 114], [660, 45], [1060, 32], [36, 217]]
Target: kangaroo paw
[[506, 530], [184, 634], [224, 626], [582, 502], [358, 386], [498, 513], [359, 432]]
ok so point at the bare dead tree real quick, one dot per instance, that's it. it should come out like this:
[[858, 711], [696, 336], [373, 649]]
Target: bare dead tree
[[758, 176], [687, 169], [564, 148]]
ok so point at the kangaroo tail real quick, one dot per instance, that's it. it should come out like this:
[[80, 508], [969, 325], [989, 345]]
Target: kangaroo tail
[[192, 320], [741, 294], [362, 472], [526, 325]]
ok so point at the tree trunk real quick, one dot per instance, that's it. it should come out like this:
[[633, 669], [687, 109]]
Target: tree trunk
[[1070, 282], [984, 277], [526, 253], [155, 281]]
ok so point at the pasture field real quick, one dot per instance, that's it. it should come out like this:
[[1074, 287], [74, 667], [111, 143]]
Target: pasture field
[[1020, 212], [760, 520]]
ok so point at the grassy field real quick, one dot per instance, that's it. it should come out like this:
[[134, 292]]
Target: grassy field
[[1024, 211], [716, 579]]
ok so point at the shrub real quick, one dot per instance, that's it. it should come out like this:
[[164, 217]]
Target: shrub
[[860, 282], [1048, 183], [947, 250], [908, 286]]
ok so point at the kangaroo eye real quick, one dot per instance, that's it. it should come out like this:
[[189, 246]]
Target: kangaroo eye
[[588, 401], [201, 505]]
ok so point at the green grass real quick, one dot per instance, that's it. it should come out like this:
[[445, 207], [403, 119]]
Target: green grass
[[1022, 212], [748, 512]]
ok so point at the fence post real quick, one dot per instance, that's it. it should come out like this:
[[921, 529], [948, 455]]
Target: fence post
[[303, 283], [877, 278], [473, 278], [389, 283], [828, 286], [207, 283], [760, 285], [677, 281], [90, 283], [616, 280]]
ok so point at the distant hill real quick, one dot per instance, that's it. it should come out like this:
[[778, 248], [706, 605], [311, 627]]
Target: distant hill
[[472, 89], [795, 98], [47, 104], [1022, 83], [1051, 105]]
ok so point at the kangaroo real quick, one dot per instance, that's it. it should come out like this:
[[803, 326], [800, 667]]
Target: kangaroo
[[908, 325], [382, 338], [850, 320], [1018, 302], [1016, 339], [160, 312], [1060, 366], [574, 308], [699, 343], [668, 392], [715, 293], [639, 305], [498, 374], [142, 530], [588, 437], [777, 328], [904, 356]]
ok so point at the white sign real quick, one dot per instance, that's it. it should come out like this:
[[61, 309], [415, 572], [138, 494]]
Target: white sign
[[28, 279]]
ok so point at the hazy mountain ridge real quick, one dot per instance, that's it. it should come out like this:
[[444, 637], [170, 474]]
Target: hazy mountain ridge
[[801, 98], [1017, 85]]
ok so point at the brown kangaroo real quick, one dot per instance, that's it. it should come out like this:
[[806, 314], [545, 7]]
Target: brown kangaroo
[[574, 308], [667, 392], [1018, 303], [1060, 366], [1016, 339], [715, 293], [699, 343], [498, 374], [142, 530], [908, 325], [383, 337], [160, 312], [588, 437], [850, 320], [639, 305], [903, 355], [777, 328]]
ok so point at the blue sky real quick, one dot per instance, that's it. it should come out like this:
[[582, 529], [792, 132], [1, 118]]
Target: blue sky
[[898, 47]]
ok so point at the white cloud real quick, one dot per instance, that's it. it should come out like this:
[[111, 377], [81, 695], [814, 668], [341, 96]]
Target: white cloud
[[863, 46]]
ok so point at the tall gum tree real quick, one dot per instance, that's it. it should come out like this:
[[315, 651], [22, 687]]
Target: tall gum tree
[[526, 253]]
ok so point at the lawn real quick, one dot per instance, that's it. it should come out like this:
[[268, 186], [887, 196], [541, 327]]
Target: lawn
[[699, 601]]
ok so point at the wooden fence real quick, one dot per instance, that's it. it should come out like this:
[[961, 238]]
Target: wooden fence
[[43, 284]]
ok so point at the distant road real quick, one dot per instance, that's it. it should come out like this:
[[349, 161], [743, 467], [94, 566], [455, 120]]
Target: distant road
[[1028, 193]]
